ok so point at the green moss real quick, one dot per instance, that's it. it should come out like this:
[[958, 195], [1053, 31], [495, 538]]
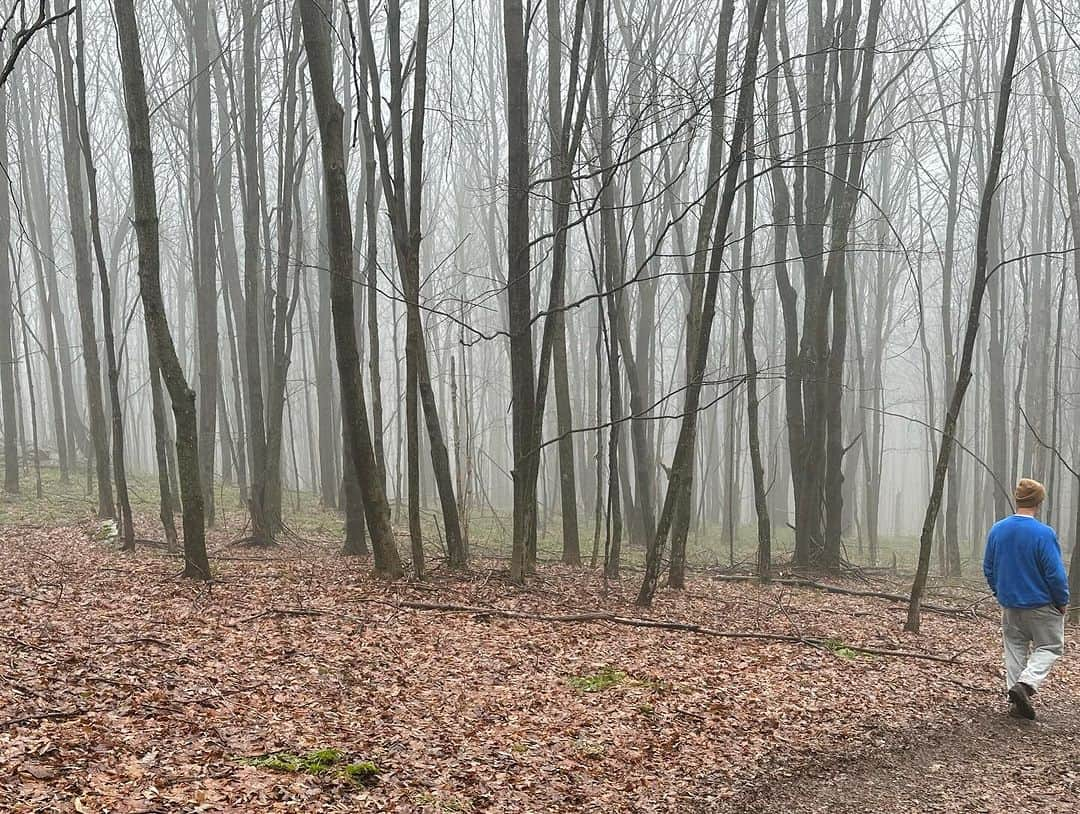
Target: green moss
[[321, 760], [317, 762], [603, 679], [840, 649], [361, 772], [277, 762]]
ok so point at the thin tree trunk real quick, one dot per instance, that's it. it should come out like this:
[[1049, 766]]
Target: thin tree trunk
[[262, 531], [84, 275], [144, 193], [315, 17], [206, 280], [684, 500], [684, 450], [764, 549], [978, 290], [7, 323], [127, 526]]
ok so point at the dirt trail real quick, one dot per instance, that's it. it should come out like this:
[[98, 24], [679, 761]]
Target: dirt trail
[[987, 763]]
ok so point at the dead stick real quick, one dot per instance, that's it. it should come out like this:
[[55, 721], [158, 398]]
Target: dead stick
[[836, 589], [685, 627], [58, 715]]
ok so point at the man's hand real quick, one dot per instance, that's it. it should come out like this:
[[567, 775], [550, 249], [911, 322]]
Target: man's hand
[[1063, 609]]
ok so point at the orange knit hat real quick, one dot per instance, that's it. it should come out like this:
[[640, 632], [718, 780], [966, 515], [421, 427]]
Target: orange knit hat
[[1029, 493]]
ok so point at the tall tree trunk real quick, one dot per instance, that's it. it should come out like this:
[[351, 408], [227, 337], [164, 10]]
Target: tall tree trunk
[[978, 290], [290, 167], [144, 194], [127, 526], [560, 188], [206, 279], [262, 530], [84, 275], [684, 450], [39, 222], [324, 386], [684, 500], [764, 549], [519, 285], [7, 323], [315, 17]]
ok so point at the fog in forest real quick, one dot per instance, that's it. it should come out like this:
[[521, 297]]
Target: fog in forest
[[616, 282]]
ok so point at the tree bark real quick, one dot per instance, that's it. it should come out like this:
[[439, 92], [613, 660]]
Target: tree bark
[[206, 279], [978, 291], [84, 276], [7, 323], [764, 549], [684, 450], [519, 285], [144, 194], [127, 526], [262, 530], [315, 17], [696, 285]]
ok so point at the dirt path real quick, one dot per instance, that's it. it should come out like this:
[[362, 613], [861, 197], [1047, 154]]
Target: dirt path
[[987, 763]]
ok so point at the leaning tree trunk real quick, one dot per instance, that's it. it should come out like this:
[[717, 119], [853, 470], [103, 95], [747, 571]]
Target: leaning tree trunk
[[978, 290], [684, 510], [682, 462], [315, 16], [144, 194], [127, 525]]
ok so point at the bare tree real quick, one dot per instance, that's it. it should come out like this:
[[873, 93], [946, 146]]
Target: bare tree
[[144, 196], [315, 17], [978, 291], [683, 458]]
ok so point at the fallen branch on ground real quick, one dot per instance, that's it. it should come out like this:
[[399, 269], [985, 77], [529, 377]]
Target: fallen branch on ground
[[836, 589], [56, 715], [310, 612], [684, 627]]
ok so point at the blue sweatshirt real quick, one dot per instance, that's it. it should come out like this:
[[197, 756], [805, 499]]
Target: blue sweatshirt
[[1023, 564]]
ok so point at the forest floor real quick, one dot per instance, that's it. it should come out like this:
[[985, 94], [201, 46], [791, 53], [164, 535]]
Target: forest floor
[[296, 682]]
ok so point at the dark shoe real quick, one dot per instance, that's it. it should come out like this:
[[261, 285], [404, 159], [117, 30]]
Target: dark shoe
[[1020, 696]]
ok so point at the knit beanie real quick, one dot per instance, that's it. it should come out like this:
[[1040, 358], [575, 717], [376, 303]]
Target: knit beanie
[[1029, 493]]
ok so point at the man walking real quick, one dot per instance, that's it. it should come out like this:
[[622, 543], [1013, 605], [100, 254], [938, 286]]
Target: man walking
[[1024, 569]]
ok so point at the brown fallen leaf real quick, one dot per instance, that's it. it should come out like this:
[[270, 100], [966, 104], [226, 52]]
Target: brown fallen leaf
[[36, 770]]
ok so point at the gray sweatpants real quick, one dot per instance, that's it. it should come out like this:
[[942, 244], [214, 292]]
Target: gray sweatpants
[[1041, 629]]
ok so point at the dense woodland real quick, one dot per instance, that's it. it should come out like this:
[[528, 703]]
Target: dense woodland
[[507, 407], [628, 281]]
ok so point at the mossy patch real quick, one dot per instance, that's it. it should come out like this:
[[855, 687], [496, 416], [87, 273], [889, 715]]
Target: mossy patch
[[840, 649], [362, 772], [319, 762], [604, 679]]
